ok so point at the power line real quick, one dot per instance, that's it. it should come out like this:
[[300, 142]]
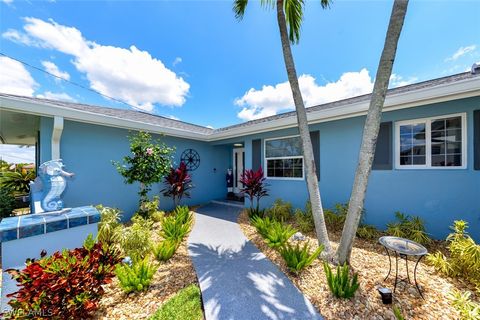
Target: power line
[[70, 82]]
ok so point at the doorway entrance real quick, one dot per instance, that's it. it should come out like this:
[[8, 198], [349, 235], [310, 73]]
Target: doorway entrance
[[238, 168]]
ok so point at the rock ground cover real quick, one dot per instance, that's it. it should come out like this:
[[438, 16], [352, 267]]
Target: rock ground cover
[[370, 261], [171, 276]]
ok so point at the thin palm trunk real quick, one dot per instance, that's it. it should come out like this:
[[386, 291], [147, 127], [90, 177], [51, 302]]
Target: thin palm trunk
[[370, 131], [309, 163]]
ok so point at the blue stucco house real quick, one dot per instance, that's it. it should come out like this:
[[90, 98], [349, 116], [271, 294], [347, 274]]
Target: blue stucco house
[[427, 161]]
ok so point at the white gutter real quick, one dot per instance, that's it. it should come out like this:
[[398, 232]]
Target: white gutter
[[56, 135]]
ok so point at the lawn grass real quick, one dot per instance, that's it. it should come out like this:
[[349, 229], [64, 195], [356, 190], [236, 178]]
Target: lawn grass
[[184, 305]]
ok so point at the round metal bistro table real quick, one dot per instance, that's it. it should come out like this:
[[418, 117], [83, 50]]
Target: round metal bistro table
[[403, 248]]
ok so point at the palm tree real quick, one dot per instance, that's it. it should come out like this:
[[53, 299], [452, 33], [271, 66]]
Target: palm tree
[[289, 18], [370, 131]]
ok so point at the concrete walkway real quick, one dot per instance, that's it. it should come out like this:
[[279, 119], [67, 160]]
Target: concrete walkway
[[237, 280]]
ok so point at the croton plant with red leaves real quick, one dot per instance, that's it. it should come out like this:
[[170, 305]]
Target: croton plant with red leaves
[[254, 187], [177, 184], [66, 285]]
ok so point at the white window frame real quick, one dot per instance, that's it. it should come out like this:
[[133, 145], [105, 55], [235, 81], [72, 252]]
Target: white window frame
[[265, 172], [428, 142]]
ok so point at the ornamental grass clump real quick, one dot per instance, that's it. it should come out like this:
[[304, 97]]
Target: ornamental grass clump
[[164, 250], [279, 211], [278, 234], [176, 226], [298, 258], [464, 256], [137, 276], [66, 285], [340, 284], [262, 225], [304, 219], [410, 227], [335, 218]]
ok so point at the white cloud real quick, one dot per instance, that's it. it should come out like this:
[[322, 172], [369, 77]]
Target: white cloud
[[15, 79], [176, 61], [53, 69], [271, 100], [19, 37], [7, 1], [210, 127], [173, 117], [131, 75], [461, 52], [399, 81], [56, 96]]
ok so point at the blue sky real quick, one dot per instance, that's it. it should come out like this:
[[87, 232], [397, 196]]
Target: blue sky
[[192, 60]]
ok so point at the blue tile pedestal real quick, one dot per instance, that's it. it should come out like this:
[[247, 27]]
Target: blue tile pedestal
[[26, 236]]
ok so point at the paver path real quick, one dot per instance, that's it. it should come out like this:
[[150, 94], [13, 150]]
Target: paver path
[[237, 280]]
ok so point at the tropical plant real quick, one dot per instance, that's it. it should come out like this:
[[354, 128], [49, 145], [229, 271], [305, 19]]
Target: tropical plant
[[135, 240], [366, 231], [149, 163], [279, 211], [335, 218], [304, 219], [7, 203], [182, 214], [262, 225], [370, 131], [255, 188], [177, 184], [66, 285], [176, 226], [149, 209], [136, 277], [340, 284], [18, 181], [109, 226], [164, 250], [278, 234], [186, 304], [463, 303], [410, 227], [289, 19], [398, 313], [464, 256], [298, 258]]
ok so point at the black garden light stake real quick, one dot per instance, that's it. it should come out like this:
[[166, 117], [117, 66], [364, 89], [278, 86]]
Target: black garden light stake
[[386, 295]]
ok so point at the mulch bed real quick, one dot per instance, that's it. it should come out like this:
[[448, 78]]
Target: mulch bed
[[171, 276], [370, 261]]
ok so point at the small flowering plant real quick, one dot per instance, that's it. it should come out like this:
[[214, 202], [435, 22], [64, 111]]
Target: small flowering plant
[[149, 163]]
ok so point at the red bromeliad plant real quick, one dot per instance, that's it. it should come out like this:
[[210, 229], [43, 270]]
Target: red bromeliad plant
[[177, 183], [66, 285], [254, 187]]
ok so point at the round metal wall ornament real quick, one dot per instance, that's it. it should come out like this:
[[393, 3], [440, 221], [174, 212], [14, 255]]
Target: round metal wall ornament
[[191, 159]]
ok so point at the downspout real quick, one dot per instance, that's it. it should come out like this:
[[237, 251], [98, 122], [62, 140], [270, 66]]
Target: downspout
[[56, 135]]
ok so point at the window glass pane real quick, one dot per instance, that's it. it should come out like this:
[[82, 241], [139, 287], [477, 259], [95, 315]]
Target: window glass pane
[[412, 144], [285, 168], [438, 160], [404, 161], [438, 125], [446, 142], [285, 147], [454, 123], [454, 160], [418, 160]]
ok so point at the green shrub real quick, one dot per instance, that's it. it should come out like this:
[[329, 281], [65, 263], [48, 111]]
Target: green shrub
[[262, 224], [186, 304], [468, 309], [304, 219], [149, 209], [398, 313], [278, 234], [136, 277], [464, 260], [157, 216], [410, 227], [109, 227], [7, 203], [340, 283], [280, 210], [165, 250], [366, 231], [335, 218], [176, 226], [254, 212], [298, 258], [135, 240]]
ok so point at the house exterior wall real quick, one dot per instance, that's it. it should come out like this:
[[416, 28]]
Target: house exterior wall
[[439, 196], [88, 151]]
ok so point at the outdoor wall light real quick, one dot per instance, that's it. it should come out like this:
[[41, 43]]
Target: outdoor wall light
[[386, 295], [238, 145]]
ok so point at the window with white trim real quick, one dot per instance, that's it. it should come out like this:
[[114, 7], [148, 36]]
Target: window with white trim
[[283, 158], [432, 143]]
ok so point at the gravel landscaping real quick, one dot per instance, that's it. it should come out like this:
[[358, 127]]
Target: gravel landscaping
[[171, 276], [370, 261]]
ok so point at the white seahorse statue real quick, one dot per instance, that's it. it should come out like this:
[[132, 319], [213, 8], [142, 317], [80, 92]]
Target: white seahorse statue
[[54, 183]]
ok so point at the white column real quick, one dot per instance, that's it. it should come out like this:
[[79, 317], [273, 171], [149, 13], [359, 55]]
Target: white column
[[56, 135]]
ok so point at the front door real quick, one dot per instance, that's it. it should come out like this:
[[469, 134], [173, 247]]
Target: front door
[[238, 168]]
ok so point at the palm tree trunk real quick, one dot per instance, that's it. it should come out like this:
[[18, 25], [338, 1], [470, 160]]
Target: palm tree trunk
[[309, 163], [370, 131]]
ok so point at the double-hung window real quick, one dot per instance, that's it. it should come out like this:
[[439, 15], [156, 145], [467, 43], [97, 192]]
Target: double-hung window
[[283, 158], [431, 143]]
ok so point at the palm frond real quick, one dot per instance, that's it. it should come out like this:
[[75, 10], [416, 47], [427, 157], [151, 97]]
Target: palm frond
[[239, 7], [294, 16]]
